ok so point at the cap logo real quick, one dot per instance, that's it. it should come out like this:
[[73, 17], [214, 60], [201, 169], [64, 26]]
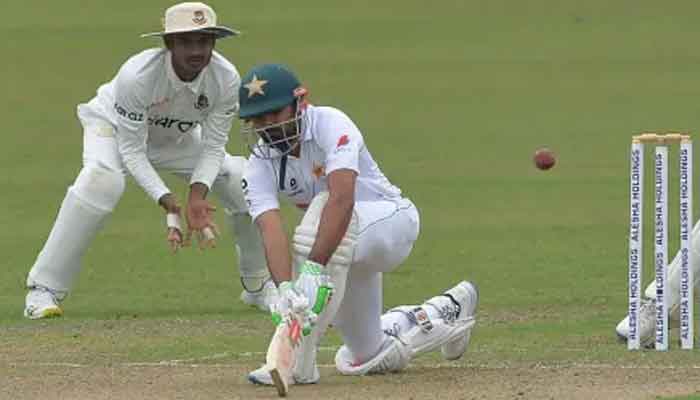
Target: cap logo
[[199, 18], [191, 17], [255, 86]]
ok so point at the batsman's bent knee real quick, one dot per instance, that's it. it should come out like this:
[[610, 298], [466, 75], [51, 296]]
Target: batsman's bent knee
[[394, 356]]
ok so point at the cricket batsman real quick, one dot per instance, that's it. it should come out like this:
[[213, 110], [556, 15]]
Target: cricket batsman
[[647, 310], [167, 109], [356, 226]]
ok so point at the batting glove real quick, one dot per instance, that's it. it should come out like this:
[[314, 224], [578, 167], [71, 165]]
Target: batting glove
[[315, 283], [289, 304]]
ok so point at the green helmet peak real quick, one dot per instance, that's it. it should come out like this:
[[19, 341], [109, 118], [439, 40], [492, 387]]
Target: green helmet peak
[[266, 88]]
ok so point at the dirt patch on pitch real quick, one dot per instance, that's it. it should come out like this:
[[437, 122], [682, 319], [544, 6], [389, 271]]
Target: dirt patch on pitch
[[108, 360], [420, 381]]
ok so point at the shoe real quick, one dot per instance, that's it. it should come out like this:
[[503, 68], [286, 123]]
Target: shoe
[[41, 303], [260, 298], [465, 299], [261, 376], [647, 325]]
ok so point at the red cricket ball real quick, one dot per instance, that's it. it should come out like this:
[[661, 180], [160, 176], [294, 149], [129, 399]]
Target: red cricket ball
[[544, 158]]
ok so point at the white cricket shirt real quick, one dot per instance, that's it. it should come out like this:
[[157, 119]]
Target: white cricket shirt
[[158, 116], [330, 141]]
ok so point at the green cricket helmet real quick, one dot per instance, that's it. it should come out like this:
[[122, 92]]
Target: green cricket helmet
[[265, 89]]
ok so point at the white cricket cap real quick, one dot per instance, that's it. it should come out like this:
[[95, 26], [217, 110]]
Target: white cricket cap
[[192, 17]]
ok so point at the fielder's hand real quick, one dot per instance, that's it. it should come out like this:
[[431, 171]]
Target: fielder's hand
[[199, 222], [174, 231], [172, 221]]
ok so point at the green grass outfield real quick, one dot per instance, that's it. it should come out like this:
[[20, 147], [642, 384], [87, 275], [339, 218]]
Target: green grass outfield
[[453, 97]]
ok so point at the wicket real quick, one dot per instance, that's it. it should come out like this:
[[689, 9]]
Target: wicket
[[660, 238]]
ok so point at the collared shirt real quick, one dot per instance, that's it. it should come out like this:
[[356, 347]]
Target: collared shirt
[[329, 141], [158, 116]]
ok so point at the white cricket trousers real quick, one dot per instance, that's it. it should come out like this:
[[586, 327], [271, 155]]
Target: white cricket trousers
[[388, 229], [98, 188]]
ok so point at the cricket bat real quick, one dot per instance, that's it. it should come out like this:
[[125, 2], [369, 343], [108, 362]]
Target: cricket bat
[[280, 353]]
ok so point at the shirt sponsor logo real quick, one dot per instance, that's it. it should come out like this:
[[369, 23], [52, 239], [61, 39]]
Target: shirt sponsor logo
[[342, 146], [295, 190], [168, 123], [244, 187], [133, 116], [345, 139]]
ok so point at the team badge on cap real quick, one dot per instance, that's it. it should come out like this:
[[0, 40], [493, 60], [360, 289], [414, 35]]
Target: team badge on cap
[[255, 86], [192, 17], [199, 18]]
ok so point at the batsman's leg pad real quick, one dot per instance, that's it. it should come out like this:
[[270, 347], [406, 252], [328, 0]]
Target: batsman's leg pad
[[337, 268], [394, 356], [429, 334], [87, 204], [674, 274]]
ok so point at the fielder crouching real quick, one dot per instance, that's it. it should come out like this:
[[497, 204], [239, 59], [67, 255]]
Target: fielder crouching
[[167, 109], [357, 225]]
